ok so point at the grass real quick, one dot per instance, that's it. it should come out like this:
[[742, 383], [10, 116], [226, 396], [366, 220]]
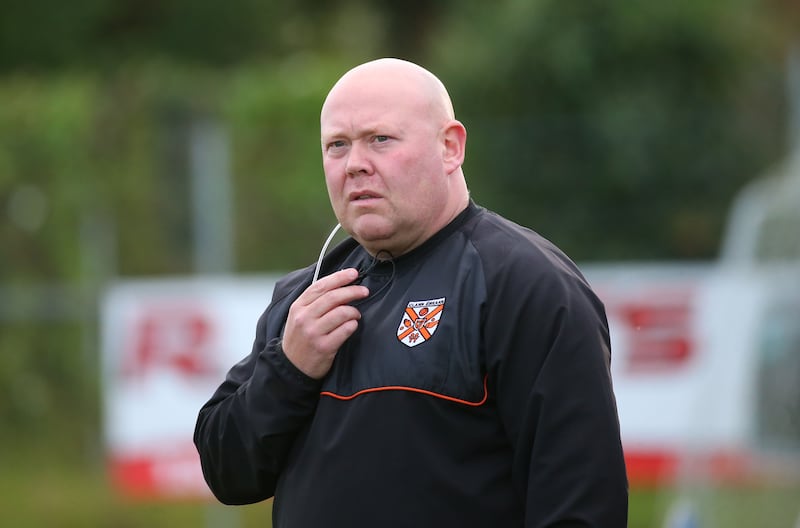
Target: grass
[[54, 492], [44, 490]]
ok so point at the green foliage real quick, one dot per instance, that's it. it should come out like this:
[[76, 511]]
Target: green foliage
[[39, 35], [282, 209], [618, 130], [47, 388], [45, 129]]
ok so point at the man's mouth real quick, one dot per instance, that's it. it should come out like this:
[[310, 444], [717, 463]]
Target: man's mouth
[[362, 196]]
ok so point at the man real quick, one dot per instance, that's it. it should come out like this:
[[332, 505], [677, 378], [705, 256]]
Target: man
[[449, 368]]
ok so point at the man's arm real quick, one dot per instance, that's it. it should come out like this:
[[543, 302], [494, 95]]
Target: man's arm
[[550, 368], [245, 431]]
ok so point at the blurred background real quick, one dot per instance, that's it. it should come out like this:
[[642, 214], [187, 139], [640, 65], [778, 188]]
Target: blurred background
[[150, 139]]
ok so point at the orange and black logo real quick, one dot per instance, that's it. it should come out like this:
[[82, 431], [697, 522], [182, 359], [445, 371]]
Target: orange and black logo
[[420, 320]]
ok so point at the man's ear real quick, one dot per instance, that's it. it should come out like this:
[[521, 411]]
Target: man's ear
[[454, 137]]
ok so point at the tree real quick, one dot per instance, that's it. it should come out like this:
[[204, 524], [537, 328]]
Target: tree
[[619, 130]]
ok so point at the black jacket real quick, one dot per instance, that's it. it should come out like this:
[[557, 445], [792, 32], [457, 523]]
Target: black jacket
[[476, 392]]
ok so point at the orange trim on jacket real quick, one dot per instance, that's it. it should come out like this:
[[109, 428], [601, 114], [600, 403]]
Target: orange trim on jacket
[[412, 389]]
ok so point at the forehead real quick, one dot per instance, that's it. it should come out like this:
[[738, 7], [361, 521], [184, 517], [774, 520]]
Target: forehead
[[363, 103]]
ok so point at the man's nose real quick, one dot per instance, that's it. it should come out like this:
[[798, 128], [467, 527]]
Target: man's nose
[[357, 160]]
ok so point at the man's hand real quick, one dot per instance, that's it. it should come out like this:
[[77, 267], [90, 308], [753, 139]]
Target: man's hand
[[320, 320]]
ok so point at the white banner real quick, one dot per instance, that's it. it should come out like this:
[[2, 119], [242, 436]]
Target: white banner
[[166, 346]]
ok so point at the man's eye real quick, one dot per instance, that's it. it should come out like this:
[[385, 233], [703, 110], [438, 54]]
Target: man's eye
[[381, 139], [336, 144]]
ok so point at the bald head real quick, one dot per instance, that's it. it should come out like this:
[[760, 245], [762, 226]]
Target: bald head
[[388, 75]]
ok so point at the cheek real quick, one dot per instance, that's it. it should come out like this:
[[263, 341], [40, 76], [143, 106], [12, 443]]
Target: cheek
[[426, 180], [334, 177]]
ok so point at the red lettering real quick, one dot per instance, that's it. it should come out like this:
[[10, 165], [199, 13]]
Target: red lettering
[[659, 333], [176, 338]]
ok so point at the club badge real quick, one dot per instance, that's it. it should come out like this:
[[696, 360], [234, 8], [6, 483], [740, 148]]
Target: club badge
[[420, 320]]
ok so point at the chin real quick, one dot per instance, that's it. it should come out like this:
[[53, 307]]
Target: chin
[[371, 227], [368, 236], [371, 237]]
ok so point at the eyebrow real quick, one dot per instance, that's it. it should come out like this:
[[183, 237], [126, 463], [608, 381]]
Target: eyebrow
[[369, 130]]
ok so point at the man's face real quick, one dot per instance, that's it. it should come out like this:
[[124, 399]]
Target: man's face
[[382, 156]]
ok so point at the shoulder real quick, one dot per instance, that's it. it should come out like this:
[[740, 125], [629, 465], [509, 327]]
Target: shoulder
[[510, 250]]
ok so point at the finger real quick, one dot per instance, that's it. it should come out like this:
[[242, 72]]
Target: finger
[[326, 312], [332, 320], [335, 339], [338, 297], [328, 283]]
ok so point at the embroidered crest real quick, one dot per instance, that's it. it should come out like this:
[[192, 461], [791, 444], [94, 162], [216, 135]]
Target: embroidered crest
[[420, 320]]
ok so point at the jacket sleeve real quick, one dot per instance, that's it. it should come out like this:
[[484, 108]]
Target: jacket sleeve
[[549, 361], [245, 431]]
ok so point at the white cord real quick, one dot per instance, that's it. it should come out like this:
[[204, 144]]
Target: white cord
[[322, 253]]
